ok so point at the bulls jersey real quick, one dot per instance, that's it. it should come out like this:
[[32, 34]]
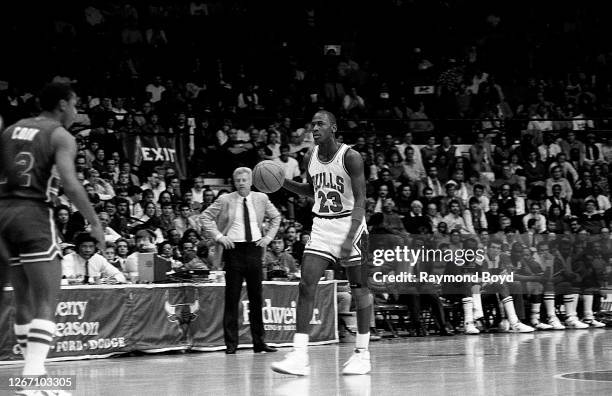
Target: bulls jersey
[[333, 192], [27, 160]]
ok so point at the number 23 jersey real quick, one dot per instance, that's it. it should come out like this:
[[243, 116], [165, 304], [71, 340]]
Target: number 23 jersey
[[333, 191], [27, 160]]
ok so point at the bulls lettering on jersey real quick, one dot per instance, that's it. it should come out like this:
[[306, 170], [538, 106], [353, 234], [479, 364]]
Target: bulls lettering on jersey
[[333, 191], [27, 160]]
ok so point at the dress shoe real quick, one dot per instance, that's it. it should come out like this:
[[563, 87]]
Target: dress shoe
[[264, 348], [230, 350]]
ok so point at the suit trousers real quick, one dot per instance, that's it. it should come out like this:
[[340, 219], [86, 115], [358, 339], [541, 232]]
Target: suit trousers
[[243, 262]]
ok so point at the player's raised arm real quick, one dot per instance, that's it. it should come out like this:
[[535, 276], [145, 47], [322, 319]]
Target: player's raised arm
[[65, 153], [354, 166], [305, 189]]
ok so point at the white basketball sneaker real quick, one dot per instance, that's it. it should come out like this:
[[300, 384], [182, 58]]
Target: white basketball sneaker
[[574, 323], [541, 326], [470, 328], [358, 364], [594, 323], [295, 363], [556, 323], [520, 327]]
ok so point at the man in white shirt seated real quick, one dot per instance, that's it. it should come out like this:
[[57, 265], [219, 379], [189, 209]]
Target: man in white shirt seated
[[87, 265], [289, 164]]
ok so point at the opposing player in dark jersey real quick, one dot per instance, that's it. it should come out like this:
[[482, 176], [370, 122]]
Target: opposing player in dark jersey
[[337, 183], [35, 155]]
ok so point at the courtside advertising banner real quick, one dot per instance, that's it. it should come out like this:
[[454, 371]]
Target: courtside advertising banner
[[104, 320]]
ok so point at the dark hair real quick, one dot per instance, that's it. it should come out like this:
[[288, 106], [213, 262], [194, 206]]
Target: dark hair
[[134, 190], [160, 246], [61, 207], [284, 147], [84, 237], [51, 94]]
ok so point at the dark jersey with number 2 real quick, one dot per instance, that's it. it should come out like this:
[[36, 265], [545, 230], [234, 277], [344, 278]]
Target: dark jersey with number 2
[[27, 161]]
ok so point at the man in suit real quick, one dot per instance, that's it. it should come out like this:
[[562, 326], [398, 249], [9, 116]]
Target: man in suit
[[235, 222]]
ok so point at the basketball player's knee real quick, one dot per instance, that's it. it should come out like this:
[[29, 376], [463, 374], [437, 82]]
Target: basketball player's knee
[[307, 289], [362, 297]]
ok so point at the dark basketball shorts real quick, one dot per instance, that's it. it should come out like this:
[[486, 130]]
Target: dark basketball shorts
[[328, 235], [28, 231]]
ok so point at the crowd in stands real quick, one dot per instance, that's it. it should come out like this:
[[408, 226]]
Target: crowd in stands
[[523, 166]]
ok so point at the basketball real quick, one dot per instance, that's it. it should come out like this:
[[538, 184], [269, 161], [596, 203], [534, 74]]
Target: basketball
[[268, 176]]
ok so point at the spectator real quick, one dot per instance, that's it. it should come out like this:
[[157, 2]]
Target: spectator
[[413, 170], [401, 148], [154, 184], [184, 221], [69, 225], [278, 263], [290, 165], [454, 219], [415, 222], [155, 89], [557, 179], [592, 219], [87, 266], [189, 256], [474, 217], [534, 213], [110, 235]]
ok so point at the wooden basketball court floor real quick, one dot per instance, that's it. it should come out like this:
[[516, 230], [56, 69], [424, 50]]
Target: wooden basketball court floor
[[571, 362]]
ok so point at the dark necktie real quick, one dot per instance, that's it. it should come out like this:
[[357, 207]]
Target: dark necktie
[[86, 277], [247, 221], [476, 221]]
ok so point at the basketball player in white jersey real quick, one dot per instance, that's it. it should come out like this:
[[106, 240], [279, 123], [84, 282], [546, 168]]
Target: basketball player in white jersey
[[337, 183]]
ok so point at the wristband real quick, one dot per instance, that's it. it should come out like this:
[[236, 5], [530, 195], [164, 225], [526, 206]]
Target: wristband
[[358, 214]]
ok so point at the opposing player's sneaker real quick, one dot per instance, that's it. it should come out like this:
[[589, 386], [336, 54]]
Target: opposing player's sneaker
[[593, 323], [556, 323], [541, 326], [471, 329], [295, 363], [358, 363], [520, 327], [574, 323]]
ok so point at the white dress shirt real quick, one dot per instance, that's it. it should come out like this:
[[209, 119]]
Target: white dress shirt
[[73, 266], [237, 232]]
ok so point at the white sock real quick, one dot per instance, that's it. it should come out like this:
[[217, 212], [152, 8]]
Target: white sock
[[300, 342], [21, 332], [570, 308], [535, 312], [40, 337], [549, 303], [510, 311], [575, 298], [587, 304], [476, 300], [362, 340], [468, 310]]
